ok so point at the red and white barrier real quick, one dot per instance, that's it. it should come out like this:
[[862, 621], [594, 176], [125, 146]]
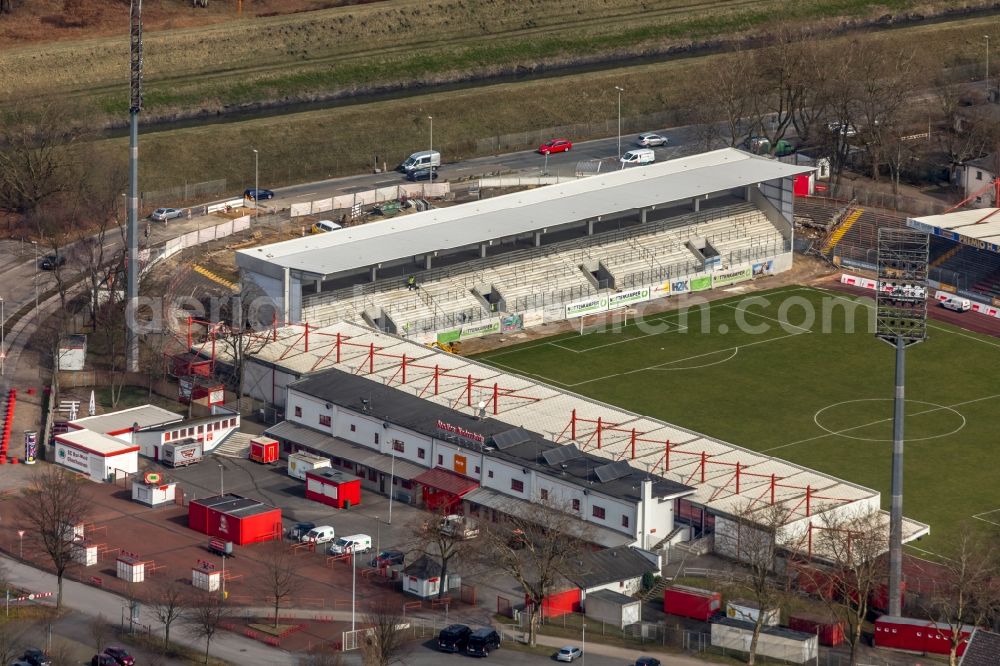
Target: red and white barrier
[[867, 283]]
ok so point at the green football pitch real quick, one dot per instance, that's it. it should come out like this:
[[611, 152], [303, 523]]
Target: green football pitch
[[796, 373]]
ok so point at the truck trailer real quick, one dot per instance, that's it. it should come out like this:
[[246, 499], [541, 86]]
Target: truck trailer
[[179, 454]]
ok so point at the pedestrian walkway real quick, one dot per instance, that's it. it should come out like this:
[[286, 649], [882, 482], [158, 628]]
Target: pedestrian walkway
[[92, 602]]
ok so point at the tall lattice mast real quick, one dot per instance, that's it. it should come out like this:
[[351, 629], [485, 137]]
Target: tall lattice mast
[[132, 232]]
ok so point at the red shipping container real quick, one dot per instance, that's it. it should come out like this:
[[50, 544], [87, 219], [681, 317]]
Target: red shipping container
[[905, 633], [263, 450], [234, 518], [561, 603], [333, 488], [829, 630], [691, 602]]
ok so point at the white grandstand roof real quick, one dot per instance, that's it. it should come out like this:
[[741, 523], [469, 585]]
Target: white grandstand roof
[[359, 247], [979, 227], [547, 411]]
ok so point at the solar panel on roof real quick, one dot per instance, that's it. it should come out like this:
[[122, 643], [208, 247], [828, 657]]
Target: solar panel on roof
[[509, 438], [613, 471], [560, 454]]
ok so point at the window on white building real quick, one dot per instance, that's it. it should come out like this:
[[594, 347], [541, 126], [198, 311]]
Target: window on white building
[[517, 485], [598, 512]]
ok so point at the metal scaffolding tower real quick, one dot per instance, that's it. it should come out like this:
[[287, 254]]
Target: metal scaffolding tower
[[901, 320]]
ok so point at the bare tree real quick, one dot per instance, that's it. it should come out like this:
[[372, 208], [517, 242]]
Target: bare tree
[[100, 632], [538, 550], [854, 545], [445, 546], [384, 639], [205, 617], [753, 537], [239, 318], [37, 159], [885, 81], [169, 602], [11, 639], [279, 581], [6, 6], [726, 96], [49, 507], [968, 592], [778, 87]]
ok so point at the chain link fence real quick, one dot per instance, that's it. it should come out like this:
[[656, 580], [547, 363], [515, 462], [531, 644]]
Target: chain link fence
[[184, 192]]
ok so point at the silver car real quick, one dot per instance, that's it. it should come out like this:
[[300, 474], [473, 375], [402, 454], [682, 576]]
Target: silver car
[[164, 214], [569, 653], [649, 139]]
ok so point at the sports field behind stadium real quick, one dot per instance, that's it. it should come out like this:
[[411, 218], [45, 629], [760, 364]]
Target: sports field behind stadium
[[808, 390]]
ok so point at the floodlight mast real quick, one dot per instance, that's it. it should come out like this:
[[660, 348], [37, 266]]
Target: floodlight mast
[[132, 229], [901, 320]]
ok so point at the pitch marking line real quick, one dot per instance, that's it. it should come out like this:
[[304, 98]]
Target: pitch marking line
[[678, 329], [660, 366], [979, 516], [885, 420], [763, 316]]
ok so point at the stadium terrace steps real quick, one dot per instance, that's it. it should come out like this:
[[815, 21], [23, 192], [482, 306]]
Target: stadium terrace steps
[[973, 264], [842, 230], [948, 254], [551, 275]]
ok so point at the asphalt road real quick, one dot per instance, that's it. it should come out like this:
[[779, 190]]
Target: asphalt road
[[527, 162]]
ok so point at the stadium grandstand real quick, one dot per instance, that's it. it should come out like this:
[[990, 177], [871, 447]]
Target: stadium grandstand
[[963, 251], [532, 255], [729, 482]]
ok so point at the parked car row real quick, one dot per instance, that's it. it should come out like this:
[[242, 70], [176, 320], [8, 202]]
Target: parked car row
[[461, 638], [320, 534]]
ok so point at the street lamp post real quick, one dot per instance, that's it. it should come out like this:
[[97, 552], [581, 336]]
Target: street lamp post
[[987, 37], [620, 91], [583, 643], [3, 348], [256, 186], [392, 482], [20, 545], [35, 243], [431, 118], [222, 471], [354, 575]]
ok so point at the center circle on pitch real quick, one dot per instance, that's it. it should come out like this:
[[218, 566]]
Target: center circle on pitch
[[925, 408]]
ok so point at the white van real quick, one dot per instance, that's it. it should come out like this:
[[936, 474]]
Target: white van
[[425, 159], [318, 534], [957, 304], [638, 156], [356, 543]]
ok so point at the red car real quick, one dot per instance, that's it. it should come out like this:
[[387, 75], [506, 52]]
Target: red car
[[555, 146]]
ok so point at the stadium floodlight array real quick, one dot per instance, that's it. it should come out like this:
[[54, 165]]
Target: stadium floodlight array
[[900, 320], [901, 298]]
